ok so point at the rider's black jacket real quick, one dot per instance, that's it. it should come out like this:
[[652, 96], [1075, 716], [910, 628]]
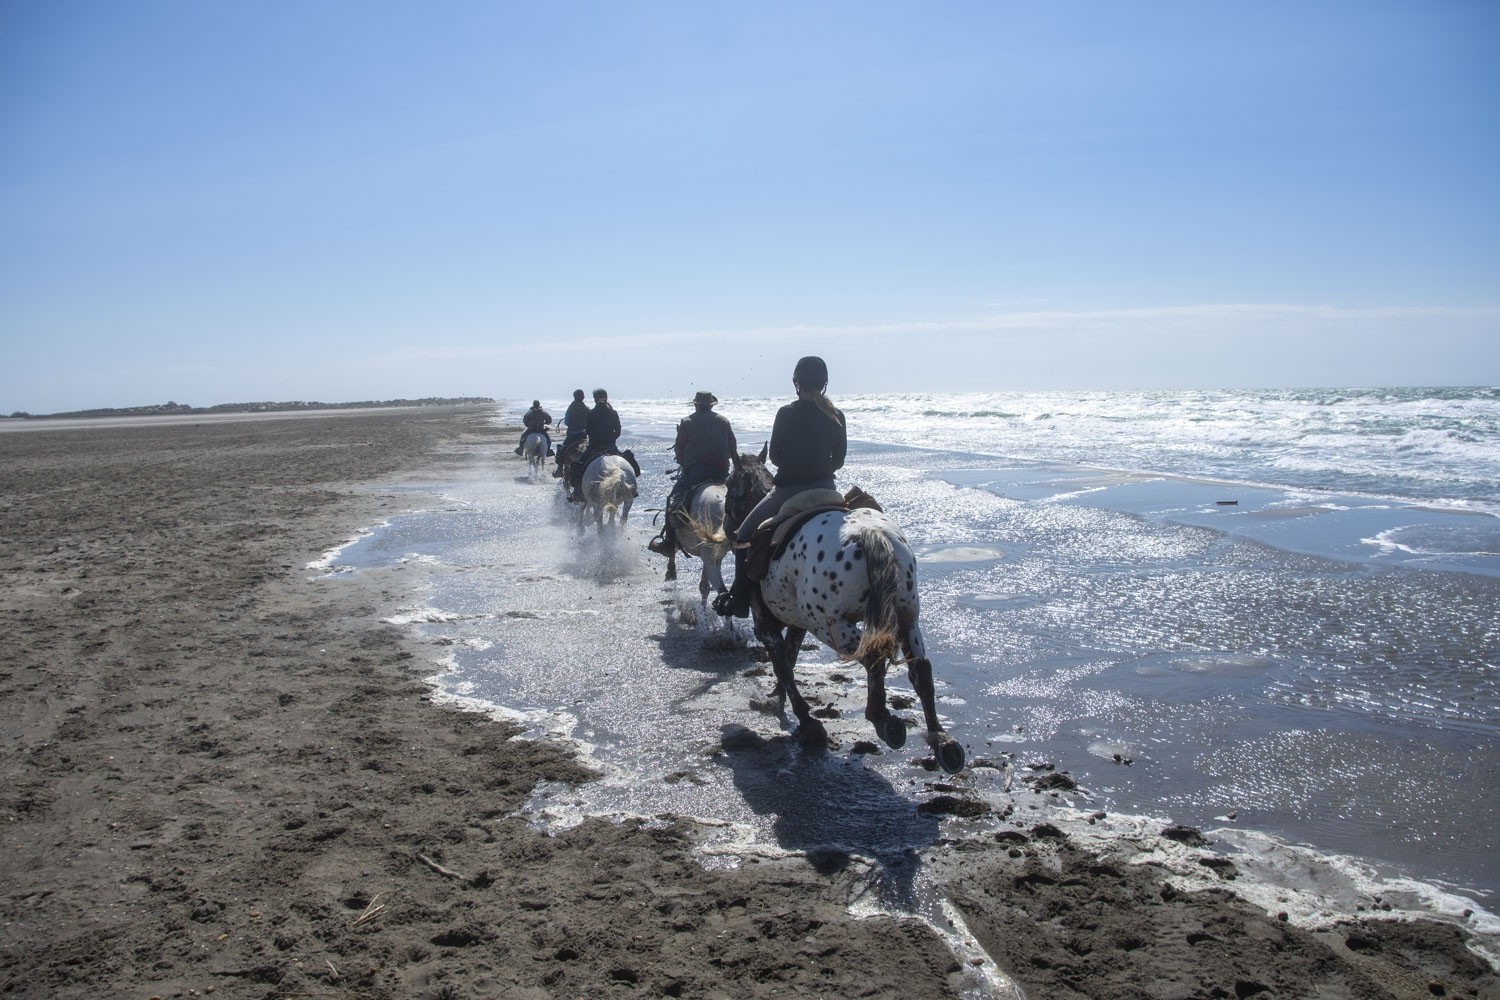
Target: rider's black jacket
[[577, 418], [604, 428], [704, 444], [807, 444]]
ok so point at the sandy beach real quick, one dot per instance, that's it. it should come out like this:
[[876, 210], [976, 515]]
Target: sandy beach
[[223, 777]]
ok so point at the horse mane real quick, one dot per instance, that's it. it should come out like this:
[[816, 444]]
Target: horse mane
[[754, 465], [749, 470]]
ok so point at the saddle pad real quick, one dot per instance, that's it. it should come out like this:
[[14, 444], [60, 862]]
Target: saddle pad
[[806, 500], [782, 527], [771, 536]]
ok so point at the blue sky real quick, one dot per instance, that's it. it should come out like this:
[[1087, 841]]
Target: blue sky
[[231, 201]]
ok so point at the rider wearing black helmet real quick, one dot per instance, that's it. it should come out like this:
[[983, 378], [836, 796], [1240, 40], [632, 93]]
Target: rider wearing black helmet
[[808, 445]]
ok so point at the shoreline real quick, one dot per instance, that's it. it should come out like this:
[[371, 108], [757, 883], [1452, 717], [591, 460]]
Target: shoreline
[[226, 777]]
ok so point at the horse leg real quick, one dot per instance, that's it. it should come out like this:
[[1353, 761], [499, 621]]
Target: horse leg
[[671, 561], [890, 728], [713, 574], [950, 754], [703, 585], [783, 644]]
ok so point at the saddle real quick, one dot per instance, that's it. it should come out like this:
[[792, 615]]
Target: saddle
[[770, 538], [679, 505], [581, 463]]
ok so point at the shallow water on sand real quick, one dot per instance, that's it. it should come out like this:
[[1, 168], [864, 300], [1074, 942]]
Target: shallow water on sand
[[1132, 631]]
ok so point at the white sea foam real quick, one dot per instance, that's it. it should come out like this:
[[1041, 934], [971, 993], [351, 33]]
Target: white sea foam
[[1427, 444], [327, 563]]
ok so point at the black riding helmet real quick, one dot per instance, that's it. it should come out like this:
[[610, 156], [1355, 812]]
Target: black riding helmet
[[812, 372]]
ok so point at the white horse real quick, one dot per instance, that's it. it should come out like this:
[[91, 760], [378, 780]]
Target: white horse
[[840, 568], [534, 447], [701, 533], [608, 488]]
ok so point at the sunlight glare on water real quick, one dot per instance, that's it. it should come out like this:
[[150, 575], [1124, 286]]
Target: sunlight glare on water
[[1126, 628]]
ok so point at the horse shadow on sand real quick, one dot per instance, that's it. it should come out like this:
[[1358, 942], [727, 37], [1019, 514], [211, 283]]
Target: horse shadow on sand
[[832, 808]]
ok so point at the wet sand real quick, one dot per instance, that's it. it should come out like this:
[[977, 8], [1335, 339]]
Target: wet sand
[[223, 777]]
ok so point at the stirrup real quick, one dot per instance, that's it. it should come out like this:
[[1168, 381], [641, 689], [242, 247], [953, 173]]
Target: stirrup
[[658, 545], [729, 606]]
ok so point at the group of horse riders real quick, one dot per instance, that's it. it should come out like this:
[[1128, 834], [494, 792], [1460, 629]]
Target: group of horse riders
[[808, 445], [592, 431]]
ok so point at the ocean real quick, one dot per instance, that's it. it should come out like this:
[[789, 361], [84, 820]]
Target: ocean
[[1273, 616]]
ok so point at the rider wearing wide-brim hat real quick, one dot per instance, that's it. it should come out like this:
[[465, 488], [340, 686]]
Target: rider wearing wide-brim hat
[[703, 447], [808, 445]]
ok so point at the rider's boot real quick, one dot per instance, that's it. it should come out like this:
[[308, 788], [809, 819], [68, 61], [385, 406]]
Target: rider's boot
[[735, 603], [629, 456], [658, 545]]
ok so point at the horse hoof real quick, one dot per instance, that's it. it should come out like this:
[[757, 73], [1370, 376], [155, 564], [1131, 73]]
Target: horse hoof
[[951, 756], [812, 735], [892, 729]]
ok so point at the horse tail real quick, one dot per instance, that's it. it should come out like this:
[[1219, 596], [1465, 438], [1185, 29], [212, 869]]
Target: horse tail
[[612, 487], [707, 531], [880, 639], [716, 539]]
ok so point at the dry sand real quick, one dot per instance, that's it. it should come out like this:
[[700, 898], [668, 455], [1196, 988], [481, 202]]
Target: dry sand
[[223, 777]]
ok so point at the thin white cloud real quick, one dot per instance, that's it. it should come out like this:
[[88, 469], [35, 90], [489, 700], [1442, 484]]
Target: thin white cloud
[[1054, 319]]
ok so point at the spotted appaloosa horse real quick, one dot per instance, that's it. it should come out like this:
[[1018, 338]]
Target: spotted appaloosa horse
[[841, 568], [608, 488], [534, 447], [701, 533]]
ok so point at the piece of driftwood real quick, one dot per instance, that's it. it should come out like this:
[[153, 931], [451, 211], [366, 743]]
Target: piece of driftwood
[[445, 872]]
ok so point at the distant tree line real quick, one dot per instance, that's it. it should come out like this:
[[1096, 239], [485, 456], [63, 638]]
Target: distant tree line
[[183, 408]]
